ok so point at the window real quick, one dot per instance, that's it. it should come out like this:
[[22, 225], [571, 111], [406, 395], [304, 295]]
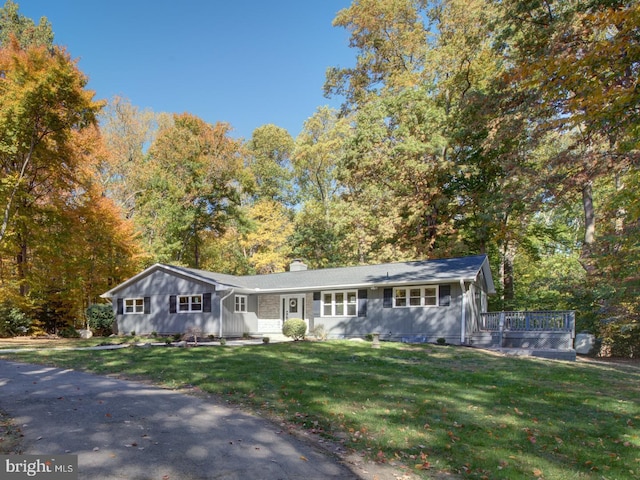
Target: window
[[189, 303], [134, 305], [339, 304], [241, 303], [415, 297]]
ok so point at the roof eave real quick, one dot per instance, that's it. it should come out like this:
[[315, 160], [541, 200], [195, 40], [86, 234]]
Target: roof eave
[[352, 286], [151, 269]]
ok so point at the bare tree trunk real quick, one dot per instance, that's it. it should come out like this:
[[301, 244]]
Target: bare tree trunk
[[14, 190], [589, 227], [508, 289], [589, 214], [196, 251], [621, 212], [21, 265]]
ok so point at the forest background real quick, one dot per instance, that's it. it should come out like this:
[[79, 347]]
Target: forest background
[[468, 126]]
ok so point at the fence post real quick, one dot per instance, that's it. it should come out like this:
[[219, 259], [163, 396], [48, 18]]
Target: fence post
[[501, 329]]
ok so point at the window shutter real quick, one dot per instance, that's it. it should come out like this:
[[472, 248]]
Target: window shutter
[[206, 302], [444, 299], [147, 304], [362, 303], [387, 301], [172, 304], [119, 306], [317, 303]]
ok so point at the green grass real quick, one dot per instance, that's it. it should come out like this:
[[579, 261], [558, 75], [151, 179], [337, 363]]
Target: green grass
[[46, 342], [428, 408]]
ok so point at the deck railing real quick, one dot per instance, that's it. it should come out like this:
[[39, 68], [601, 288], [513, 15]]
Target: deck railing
[[539, 321]]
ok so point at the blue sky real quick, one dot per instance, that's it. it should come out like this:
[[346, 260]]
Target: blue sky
[[245, 62]]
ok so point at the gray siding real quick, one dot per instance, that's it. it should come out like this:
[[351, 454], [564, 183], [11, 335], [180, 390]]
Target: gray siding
[[159, 286], [395, 323], [265, 311], [236, 324]]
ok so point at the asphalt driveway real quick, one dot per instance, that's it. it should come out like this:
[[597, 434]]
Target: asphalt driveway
[[128, 430]]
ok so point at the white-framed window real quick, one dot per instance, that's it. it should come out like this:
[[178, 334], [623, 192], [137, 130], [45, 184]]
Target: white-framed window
[[340, 304], [133, 305], [418, 296], [241, 303], [189, 303]]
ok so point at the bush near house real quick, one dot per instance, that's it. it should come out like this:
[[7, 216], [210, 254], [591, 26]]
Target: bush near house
[[100, 319], [295, 328]]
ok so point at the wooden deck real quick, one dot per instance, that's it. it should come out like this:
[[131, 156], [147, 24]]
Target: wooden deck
[[547, 334]]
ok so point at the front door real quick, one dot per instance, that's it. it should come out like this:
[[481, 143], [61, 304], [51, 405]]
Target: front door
[[292, 307]]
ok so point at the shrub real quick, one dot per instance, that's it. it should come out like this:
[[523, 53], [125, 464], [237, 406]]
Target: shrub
[[69, 332], [266, 339], [620, 340], [294, 328], [100, 319], [441, 341], [13, 321]]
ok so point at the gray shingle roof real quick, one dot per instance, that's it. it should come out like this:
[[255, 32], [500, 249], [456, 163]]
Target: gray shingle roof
[[414, 272], [423, 271]]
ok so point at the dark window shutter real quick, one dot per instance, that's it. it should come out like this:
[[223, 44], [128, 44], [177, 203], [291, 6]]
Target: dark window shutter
[[172, 304], [147, 304], [387, 300], [444, 299], [362, 303], [206, 302], [119, 306], [317, 303]]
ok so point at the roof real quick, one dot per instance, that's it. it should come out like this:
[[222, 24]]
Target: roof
[[413, 272]]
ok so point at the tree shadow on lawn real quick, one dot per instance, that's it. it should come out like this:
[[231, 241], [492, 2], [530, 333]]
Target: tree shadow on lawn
[[447, 408], [469, 412]]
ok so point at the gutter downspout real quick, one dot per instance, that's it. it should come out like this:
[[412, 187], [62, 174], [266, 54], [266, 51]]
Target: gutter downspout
[[463, 323], [222, 299]]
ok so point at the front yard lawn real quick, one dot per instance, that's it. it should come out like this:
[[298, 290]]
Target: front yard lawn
[[429, 409]]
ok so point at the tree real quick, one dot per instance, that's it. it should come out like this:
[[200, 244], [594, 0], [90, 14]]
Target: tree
[[580, 61], [127, 133], [42, 101], [317, 154], [23, 29], [390, 38], [264, 243], [269, 162], [190, 187]]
